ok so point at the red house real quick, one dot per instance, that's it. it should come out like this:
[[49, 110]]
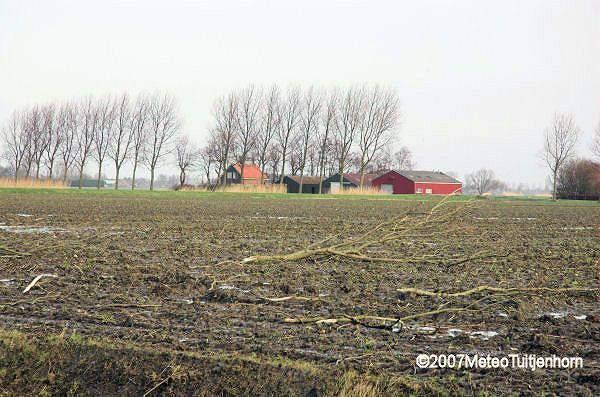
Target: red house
[[417, 182], [252, 174]]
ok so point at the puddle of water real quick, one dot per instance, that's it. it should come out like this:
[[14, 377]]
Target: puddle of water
[[453, 332], [32, 229], [40, 229]]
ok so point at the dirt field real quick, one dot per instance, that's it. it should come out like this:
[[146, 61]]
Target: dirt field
[[152, 295]]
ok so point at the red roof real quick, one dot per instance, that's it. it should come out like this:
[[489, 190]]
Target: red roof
[[251, 171]]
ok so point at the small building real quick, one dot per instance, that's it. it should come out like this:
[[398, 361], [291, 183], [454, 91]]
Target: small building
[[351, 180], [252, 174], [310, 184], [417, 182], [86, 183]]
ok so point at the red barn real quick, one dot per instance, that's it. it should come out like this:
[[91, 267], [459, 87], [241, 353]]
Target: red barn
[[417, 182]]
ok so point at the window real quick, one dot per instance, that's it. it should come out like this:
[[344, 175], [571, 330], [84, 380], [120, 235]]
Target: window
[[231, 175], [427, 191], [419, 190]]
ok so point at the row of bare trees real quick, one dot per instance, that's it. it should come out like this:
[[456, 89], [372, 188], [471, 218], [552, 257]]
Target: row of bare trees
[[44, 141], [303, 131]]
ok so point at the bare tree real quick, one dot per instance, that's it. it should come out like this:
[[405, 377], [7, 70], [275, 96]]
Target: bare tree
[[403, 159], [248, 119], [347, 126], [596, 142], [53, 126], [269, 125], [139, 132], [164, 124], [124, 133], [15, 142], [207, 158], [224, 132], [38, 139], [186, 156], [380, 118], [559, 145], [69, 134], [328, 120], [309, 124], [483, 181], [103, 133], [290, 112], [85, 137]]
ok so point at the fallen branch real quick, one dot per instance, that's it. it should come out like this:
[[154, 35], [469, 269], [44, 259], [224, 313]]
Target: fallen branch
[[128, 305], [35, 280], [288, 298], [9, 253], [395, 229], [498, 292], [486, 288]]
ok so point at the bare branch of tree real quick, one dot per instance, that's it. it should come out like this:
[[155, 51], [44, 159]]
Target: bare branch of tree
[[164, 123], [559, 145], [483, 181]]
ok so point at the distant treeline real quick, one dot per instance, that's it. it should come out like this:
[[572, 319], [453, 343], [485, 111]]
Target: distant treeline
[[56, 139], [306, 131]]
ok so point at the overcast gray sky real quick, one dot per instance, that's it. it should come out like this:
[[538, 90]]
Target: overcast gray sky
[[478, 80]]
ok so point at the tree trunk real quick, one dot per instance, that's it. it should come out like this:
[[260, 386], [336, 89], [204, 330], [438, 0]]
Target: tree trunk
[[99, 175], [81, 177], [117, 177], [65, 174], [283, 153], [152, 178], [181, 179], [341, 176], [133, 176], [262, 172], [554, 184], [362, 178]]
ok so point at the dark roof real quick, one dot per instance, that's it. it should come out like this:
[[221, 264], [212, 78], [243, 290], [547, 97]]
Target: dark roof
[[354, 178], [307, 180], [428, 176]]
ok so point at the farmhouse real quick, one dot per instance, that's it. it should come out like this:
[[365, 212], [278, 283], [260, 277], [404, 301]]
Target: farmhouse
[[252, 174], [310, 184], [351, 180], [417, 182]]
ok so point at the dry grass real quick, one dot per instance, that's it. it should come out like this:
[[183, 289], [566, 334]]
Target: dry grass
[[365, 191], [32, 183], [271, 188]]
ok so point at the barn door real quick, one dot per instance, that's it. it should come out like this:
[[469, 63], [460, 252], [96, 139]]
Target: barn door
[[335, 187], [387, 188]]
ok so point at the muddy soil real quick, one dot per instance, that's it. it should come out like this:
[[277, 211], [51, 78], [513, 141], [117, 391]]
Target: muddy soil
[[155, 287]]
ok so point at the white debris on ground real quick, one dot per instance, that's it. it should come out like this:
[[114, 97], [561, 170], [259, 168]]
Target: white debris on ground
[[24, 215], [232, 287], [454, 332], [557, 314], [581, 317], [485, 335]]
